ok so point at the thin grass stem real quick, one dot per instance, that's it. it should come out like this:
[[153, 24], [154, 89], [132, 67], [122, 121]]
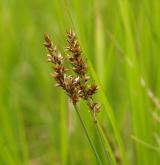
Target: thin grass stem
[[103, 145], [88, 137]]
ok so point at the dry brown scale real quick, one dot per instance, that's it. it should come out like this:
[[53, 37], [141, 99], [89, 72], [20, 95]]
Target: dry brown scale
[[76, 86]]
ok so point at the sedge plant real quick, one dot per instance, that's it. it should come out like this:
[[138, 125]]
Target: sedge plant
[[76, 83]]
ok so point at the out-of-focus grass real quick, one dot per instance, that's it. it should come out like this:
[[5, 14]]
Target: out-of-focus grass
[[121, 42]]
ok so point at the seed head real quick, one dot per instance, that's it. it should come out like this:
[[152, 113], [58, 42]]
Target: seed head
[[74, 50], [79, 66], [76, 86]]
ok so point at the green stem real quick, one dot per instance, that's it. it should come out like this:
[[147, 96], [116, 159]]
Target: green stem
[[107, 145], [88, 137], [103, 145]]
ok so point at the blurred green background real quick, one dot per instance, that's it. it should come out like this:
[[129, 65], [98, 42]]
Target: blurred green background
[[121, 40]]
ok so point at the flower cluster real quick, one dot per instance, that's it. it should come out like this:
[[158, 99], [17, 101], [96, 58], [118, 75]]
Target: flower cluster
[[67, 83], [79, 65], [80, 68], [76, 86]]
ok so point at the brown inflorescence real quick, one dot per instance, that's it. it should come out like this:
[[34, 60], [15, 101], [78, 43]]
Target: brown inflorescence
[[66, 82], [79, 65], [76, 86], [80, 68]]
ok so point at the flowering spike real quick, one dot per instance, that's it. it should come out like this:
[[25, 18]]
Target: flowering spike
[[75, 85]]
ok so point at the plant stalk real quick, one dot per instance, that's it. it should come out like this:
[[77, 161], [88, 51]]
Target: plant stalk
[[103, 145], [87, 135]]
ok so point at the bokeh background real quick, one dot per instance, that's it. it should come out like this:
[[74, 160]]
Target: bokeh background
[[121, 41]]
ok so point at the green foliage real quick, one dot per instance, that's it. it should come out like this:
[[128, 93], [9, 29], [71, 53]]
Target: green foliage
[[120, 40]]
